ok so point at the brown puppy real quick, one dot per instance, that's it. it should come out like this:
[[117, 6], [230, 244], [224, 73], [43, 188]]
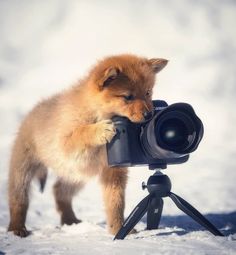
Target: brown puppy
[[68, 132]]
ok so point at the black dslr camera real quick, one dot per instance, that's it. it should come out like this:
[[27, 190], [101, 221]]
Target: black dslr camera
[[167, 137]]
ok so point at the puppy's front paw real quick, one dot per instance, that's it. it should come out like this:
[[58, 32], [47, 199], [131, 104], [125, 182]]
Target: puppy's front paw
[[105, 131], [19, 231]]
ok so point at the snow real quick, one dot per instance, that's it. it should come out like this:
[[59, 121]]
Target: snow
[[47, 45]]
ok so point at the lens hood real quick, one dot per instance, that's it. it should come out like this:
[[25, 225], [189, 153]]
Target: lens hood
[[173, 132]]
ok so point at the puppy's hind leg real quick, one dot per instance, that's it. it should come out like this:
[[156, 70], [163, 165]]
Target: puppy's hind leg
[[63, 193], [22, 169]]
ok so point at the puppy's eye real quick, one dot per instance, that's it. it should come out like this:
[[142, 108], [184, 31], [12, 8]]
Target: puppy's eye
[[129, 97]]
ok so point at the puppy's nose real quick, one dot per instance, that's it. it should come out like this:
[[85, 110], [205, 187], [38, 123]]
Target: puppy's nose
[[147, 115]]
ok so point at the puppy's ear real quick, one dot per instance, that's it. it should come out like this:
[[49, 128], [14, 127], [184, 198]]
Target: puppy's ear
[[157, 64], [109, 75]]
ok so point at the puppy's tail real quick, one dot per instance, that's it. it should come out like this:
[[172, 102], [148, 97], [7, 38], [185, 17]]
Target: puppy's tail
[[41, 175]]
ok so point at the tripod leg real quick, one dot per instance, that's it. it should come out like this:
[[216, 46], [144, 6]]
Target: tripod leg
[[133, 218], [154, 213], [193, 213]]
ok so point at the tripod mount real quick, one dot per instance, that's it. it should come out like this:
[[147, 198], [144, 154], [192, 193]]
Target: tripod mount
[[159, 186]]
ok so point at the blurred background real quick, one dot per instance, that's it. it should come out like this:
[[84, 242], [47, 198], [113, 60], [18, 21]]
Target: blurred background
[[45, 46]]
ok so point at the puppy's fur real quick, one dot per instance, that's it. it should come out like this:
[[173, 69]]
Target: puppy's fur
[[68, 132]]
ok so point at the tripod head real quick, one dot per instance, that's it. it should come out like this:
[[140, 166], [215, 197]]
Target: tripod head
[[158, 184]]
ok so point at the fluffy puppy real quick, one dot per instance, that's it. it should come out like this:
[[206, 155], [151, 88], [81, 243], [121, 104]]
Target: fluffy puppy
[[68, 132]]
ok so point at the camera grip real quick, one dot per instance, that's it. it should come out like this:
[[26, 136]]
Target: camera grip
[[118, 150]]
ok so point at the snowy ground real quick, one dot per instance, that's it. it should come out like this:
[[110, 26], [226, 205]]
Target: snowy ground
[[47, 45]]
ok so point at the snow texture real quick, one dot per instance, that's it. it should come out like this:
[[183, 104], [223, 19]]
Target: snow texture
[[47, 45]]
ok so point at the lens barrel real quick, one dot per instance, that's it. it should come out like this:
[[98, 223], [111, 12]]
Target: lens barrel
[[173, 132]]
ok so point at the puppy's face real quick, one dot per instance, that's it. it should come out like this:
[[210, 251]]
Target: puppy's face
[[124, 86]]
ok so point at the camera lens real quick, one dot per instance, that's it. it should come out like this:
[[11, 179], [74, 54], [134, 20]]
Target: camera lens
[[173, 132]]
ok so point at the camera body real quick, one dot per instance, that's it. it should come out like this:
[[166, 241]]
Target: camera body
[[137, 144]]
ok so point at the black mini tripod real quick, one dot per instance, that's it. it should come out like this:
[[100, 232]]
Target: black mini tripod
[[159, 186]]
